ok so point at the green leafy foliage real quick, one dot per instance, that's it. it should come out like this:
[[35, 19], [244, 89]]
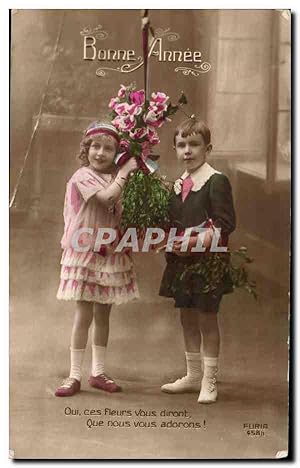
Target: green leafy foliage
[[182, 100], [214, 268], [135, 148], [145, 202], [171, 110]]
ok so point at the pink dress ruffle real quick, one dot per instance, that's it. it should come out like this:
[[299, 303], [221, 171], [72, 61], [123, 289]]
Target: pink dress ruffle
[[89, 276]]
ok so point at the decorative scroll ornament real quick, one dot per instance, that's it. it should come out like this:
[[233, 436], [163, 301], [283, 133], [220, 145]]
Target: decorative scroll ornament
[[126, 68], [98, 32], [199, 69], [171, 36]]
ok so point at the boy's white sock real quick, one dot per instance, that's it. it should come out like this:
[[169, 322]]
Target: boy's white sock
[[210, 362], [76, 363], [98, 359], [193, 365]]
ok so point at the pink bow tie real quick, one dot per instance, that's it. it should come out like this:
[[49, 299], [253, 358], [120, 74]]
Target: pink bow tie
[[187, 185]]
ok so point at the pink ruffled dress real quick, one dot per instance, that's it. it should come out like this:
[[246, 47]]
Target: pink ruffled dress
[[88, 275]]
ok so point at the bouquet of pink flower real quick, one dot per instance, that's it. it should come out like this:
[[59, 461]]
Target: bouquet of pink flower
[[137, 119]]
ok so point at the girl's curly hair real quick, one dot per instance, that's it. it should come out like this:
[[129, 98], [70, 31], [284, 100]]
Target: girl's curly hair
[[86, 143], [84, 151]]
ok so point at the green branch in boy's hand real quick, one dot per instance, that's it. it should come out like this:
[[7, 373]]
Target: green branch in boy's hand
[[212, 270]]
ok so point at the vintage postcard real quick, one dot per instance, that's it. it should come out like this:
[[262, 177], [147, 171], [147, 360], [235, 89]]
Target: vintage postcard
[[150, 185]]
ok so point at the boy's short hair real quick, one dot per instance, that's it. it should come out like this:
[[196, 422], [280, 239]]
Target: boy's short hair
[[190, 126]]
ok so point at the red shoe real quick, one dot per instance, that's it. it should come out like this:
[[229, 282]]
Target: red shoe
[[103, 382], [69, 387]]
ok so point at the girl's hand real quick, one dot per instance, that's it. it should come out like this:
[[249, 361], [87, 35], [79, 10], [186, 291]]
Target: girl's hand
[[130, 166]]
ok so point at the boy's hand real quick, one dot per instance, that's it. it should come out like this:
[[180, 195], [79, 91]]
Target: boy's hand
[[177, 247], [192, 243], [208, 238]]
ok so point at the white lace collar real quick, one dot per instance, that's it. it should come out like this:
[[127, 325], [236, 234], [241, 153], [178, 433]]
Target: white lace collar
[[199, 178]]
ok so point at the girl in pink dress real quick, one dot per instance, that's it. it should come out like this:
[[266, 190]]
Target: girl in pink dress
[[94, 278]]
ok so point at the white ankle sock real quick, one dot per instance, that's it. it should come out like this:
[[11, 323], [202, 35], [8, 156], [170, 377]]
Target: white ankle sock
[[210, 366], [98, 358], [193, 365], [76, 363], [210, 361]]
